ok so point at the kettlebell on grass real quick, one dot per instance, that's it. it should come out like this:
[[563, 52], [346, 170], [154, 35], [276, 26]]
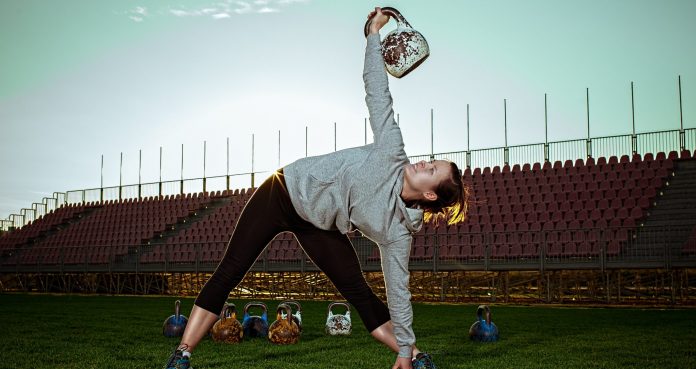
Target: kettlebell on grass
[[228, 329], [255, 325], [175, 325], [483, 330], [284, 331]]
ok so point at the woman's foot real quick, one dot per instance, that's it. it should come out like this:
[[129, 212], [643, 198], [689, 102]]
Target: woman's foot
[[423, 361], [177, 360]]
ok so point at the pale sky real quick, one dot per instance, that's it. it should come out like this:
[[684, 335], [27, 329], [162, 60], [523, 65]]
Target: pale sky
[[79, 79]]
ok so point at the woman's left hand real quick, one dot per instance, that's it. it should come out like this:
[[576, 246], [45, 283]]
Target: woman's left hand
[[402, 363]]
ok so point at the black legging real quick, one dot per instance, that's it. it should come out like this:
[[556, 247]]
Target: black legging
[[268, 212]]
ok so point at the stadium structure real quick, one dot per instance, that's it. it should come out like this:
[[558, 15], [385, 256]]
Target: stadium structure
[[604, 220]]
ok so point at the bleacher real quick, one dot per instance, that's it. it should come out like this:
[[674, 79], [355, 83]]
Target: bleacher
[[557, 211]]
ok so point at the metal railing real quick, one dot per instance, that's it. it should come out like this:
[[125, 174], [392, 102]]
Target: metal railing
[[640, 143]]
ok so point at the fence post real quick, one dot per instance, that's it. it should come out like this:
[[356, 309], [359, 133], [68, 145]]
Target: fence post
[[546, 132], [468, 145], [682, 140], [120, 178], [101, 181], [589, 141], [506, 153], [204, 152], [634, 139]]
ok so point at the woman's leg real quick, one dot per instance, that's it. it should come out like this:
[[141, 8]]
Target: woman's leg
[[263, 217], [334, 254]]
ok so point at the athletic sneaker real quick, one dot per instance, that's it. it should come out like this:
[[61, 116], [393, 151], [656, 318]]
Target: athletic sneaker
[[423, 361], [177, 360]]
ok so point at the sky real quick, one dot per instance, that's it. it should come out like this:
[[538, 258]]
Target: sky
[[82, 79]]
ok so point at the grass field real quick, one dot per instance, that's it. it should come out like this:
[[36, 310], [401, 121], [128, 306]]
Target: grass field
[[74, 331]]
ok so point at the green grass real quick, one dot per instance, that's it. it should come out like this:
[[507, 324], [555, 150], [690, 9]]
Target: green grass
[[74, 331]]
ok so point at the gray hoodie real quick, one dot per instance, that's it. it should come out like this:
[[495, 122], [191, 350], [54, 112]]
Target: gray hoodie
[[360, 188]]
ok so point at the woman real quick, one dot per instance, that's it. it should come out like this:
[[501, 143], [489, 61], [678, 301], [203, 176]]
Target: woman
[[371, 188]]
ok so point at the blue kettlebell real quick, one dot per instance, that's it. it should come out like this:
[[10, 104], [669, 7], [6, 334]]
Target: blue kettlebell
[[483, 330], [254, 325], [175, 325]]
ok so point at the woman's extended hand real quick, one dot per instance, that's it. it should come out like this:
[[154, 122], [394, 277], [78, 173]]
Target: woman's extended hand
[[379, 20], [402, 363]]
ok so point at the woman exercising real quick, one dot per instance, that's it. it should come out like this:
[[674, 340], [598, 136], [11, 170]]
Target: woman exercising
[[373, 189]]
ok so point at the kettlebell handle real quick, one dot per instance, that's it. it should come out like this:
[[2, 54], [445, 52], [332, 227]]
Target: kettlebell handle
[[288, 312], [297, 305], [229, 307], [331, 305], [484, 309], [388, 10], [177, 308], [255, 303]]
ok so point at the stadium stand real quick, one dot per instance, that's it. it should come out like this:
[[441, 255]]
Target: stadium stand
[[559, 211]]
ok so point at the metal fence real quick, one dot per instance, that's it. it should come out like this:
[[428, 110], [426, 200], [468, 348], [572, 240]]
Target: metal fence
[[598, 249], [641, 143]]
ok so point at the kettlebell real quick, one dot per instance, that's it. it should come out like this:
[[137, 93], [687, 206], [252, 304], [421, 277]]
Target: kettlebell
[[255, 326], [222, 312], [284, 331], [404, 48], [297, 315], [338, 324], [175, 325], [483, 330], [227, 329]]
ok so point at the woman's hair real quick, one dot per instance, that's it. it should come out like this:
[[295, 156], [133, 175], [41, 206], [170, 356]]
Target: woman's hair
[[452, 200]]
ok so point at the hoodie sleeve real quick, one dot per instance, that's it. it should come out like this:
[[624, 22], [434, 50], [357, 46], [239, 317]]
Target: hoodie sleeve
[[395, 256], [387, 134]]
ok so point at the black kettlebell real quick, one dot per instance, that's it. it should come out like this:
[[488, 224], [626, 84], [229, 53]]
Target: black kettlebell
[[175, 325], [483, 329], [254, 325]]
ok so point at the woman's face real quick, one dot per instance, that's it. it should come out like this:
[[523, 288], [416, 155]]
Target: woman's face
[[424, 176]]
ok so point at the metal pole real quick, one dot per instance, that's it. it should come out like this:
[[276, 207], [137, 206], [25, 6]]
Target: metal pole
[[682, 138], [204, 154], [468, 145], [505, 120], [634, 143], [589, 142], [227, 175], [505, 150], [160, 172], [633, 111], [546, 131], [181, 187], [252, 160], [120, 177], [140, 166], [432, 152], [681, 116], [101, 181]]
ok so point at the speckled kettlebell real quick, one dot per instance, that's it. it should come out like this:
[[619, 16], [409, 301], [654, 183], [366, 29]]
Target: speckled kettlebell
[[404, 48]]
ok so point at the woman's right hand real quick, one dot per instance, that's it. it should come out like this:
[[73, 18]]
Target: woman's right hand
[[379, 19]]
